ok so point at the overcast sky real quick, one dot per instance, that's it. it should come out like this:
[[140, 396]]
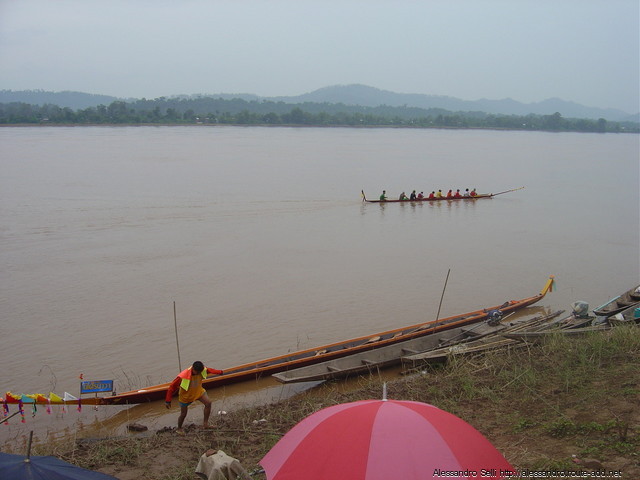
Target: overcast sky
[[586, 51]]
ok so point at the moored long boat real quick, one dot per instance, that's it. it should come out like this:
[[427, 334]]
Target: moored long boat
[[485, 343], [538, 336], [629, 315], [323, 353], [438, 199], [622, 302], [372, 360]]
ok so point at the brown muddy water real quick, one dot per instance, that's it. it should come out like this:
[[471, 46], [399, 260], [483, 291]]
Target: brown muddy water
[[260, 237]]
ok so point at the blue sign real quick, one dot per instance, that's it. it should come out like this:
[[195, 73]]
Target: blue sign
[[95, 386]]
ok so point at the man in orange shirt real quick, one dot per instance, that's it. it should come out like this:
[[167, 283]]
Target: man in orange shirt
[[189, 384]]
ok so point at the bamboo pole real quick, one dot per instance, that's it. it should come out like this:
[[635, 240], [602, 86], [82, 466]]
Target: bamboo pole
[[442, 296], [175, 325], [29, 446]]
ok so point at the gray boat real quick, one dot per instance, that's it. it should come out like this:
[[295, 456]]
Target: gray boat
[[542, 335], [627, 316], [622, 302], [390, 355], [488, 342]]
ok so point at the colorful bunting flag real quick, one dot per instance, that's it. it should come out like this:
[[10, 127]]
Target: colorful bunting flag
[[53, 398], [12, 398]]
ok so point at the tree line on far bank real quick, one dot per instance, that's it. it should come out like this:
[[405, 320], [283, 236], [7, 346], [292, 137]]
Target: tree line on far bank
[[242, 112]]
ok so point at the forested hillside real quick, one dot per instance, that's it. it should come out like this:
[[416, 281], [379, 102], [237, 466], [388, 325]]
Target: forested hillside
[[341, 95], [242, 112]]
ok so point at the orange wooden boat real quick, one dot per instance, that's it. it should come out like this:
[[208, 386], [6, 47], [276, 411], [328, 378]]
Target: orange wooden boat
[[264, 368]]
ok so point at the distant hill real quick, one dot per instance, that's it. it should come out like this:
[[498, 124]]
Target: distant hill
[[349, 95], [73, 100], [373, 97]]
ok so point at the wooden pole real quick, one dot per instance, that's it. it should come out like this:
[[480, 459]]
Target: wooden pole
[[4, 419], [175, 325], [29, 446], [442, 296]]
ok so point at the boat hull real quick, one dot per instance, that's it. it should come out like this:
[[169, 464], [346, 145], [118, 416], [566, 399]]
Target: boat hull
[[429, 200], [382, 357], [262, 368], [538, 337], [616, 305], [267, 367], [486, 343]]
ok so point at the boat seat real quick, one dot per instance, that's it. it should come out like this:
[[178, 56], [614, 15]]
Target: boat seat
[[331, 368], [410, 350]]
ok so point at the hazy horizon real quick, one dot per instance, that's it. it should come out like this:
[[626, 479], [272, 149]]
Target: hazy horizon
[[582, 51]]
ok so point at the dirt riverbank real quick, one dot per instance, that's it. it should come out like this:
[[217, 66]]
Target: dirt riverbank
[[566, 405]]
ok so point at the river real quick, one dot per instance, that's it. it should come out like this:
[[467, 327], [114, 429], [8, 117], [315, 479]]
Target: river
[[260, 237]]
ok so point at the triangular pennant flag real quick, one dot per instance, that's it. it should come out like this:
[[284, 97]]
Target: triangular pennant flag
[[57, 400], [68, 397], [53, 398], [13, 398]]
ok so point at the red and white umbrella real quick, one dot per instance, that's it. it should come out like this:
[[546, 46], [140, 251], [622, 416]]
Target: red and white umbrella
[[383, 440]]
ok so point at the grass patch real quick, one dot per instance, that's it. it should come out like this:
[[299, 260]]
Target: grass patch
[[538, 405]]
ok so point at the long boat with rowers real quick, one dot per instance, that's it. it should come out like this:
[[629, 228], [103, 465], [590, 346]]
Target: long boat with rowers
[[460, 197], [264, 368]]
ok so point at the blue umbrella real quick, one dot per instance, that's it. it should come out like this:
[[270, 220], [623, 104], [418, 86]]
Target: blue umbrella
[[19, 467]]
